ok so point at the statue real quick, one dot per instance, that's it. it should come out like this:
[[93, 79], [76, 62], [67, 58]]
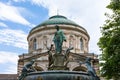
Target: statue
[[89, 67], [27, 69], [50, 57], [58, 61], [67, 55], [58, 39]]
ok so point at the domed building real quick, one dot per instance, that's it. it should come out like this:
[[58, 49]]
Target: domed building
[[41, 37]]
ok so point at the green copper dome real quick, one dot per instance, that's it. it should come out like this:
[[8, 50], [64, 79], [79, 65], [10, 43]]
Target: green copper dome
[[57, 19]]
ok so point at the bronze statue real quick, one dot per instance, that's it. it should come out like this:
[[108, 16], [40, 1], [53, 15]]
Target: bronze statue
[[58, 39], [67, 55], [27, 69], [50, 57], [58, 61], [90, 69]]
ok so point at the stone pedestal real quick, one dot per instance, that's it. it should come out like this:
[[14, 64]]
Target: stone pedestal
[[58, 68], [59, 62]]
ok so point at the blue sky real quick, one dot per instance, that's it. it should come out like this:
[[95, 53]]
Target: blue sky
[[18, 17]]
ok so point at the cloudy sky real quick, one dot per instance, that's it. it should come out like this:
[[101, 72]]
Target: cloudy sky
[[18, 17]]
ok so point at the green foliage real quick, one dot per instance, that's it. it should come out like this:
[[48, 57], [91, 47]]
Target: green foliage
[[109, 43]]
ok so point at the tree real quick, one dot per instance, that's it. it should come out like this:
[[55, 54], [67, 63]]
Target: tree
[[109, 43]]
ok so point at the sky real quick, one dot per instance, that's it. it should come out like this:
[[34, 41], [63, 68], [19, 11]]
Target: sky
[[18, 17]]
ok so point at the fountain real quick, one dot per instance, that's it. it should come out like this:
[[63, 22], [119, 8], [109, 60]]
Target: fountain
[[57, 67]]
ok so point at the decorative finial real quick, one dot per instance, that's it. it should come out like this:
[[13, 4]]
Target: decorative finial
[[57, 12]]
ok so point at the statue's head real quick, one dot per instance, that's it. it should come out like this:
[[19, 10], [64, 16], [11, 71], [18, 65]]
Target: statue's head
[[57, 27], [88, 59], [32, 61]]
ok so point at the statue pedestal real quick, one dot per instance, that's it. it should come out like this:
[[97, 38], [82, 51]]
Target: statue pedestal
[[58, 68], [59, 62]]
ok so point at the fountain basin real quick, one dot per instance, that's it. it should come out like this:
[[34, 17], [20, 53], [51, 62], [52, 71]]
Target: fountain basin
[[59, 75]]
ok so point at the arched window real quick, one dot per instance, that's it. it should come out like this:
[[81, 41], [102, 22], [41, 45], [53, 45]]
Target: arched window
[[80, 68], [30, 43], [34, 44], [45, 42], [81, 44], [71, 40]]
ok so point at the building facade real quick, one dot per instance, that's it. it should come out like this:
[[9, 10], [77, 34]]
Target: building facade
[[40, 39], [8, 76]]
